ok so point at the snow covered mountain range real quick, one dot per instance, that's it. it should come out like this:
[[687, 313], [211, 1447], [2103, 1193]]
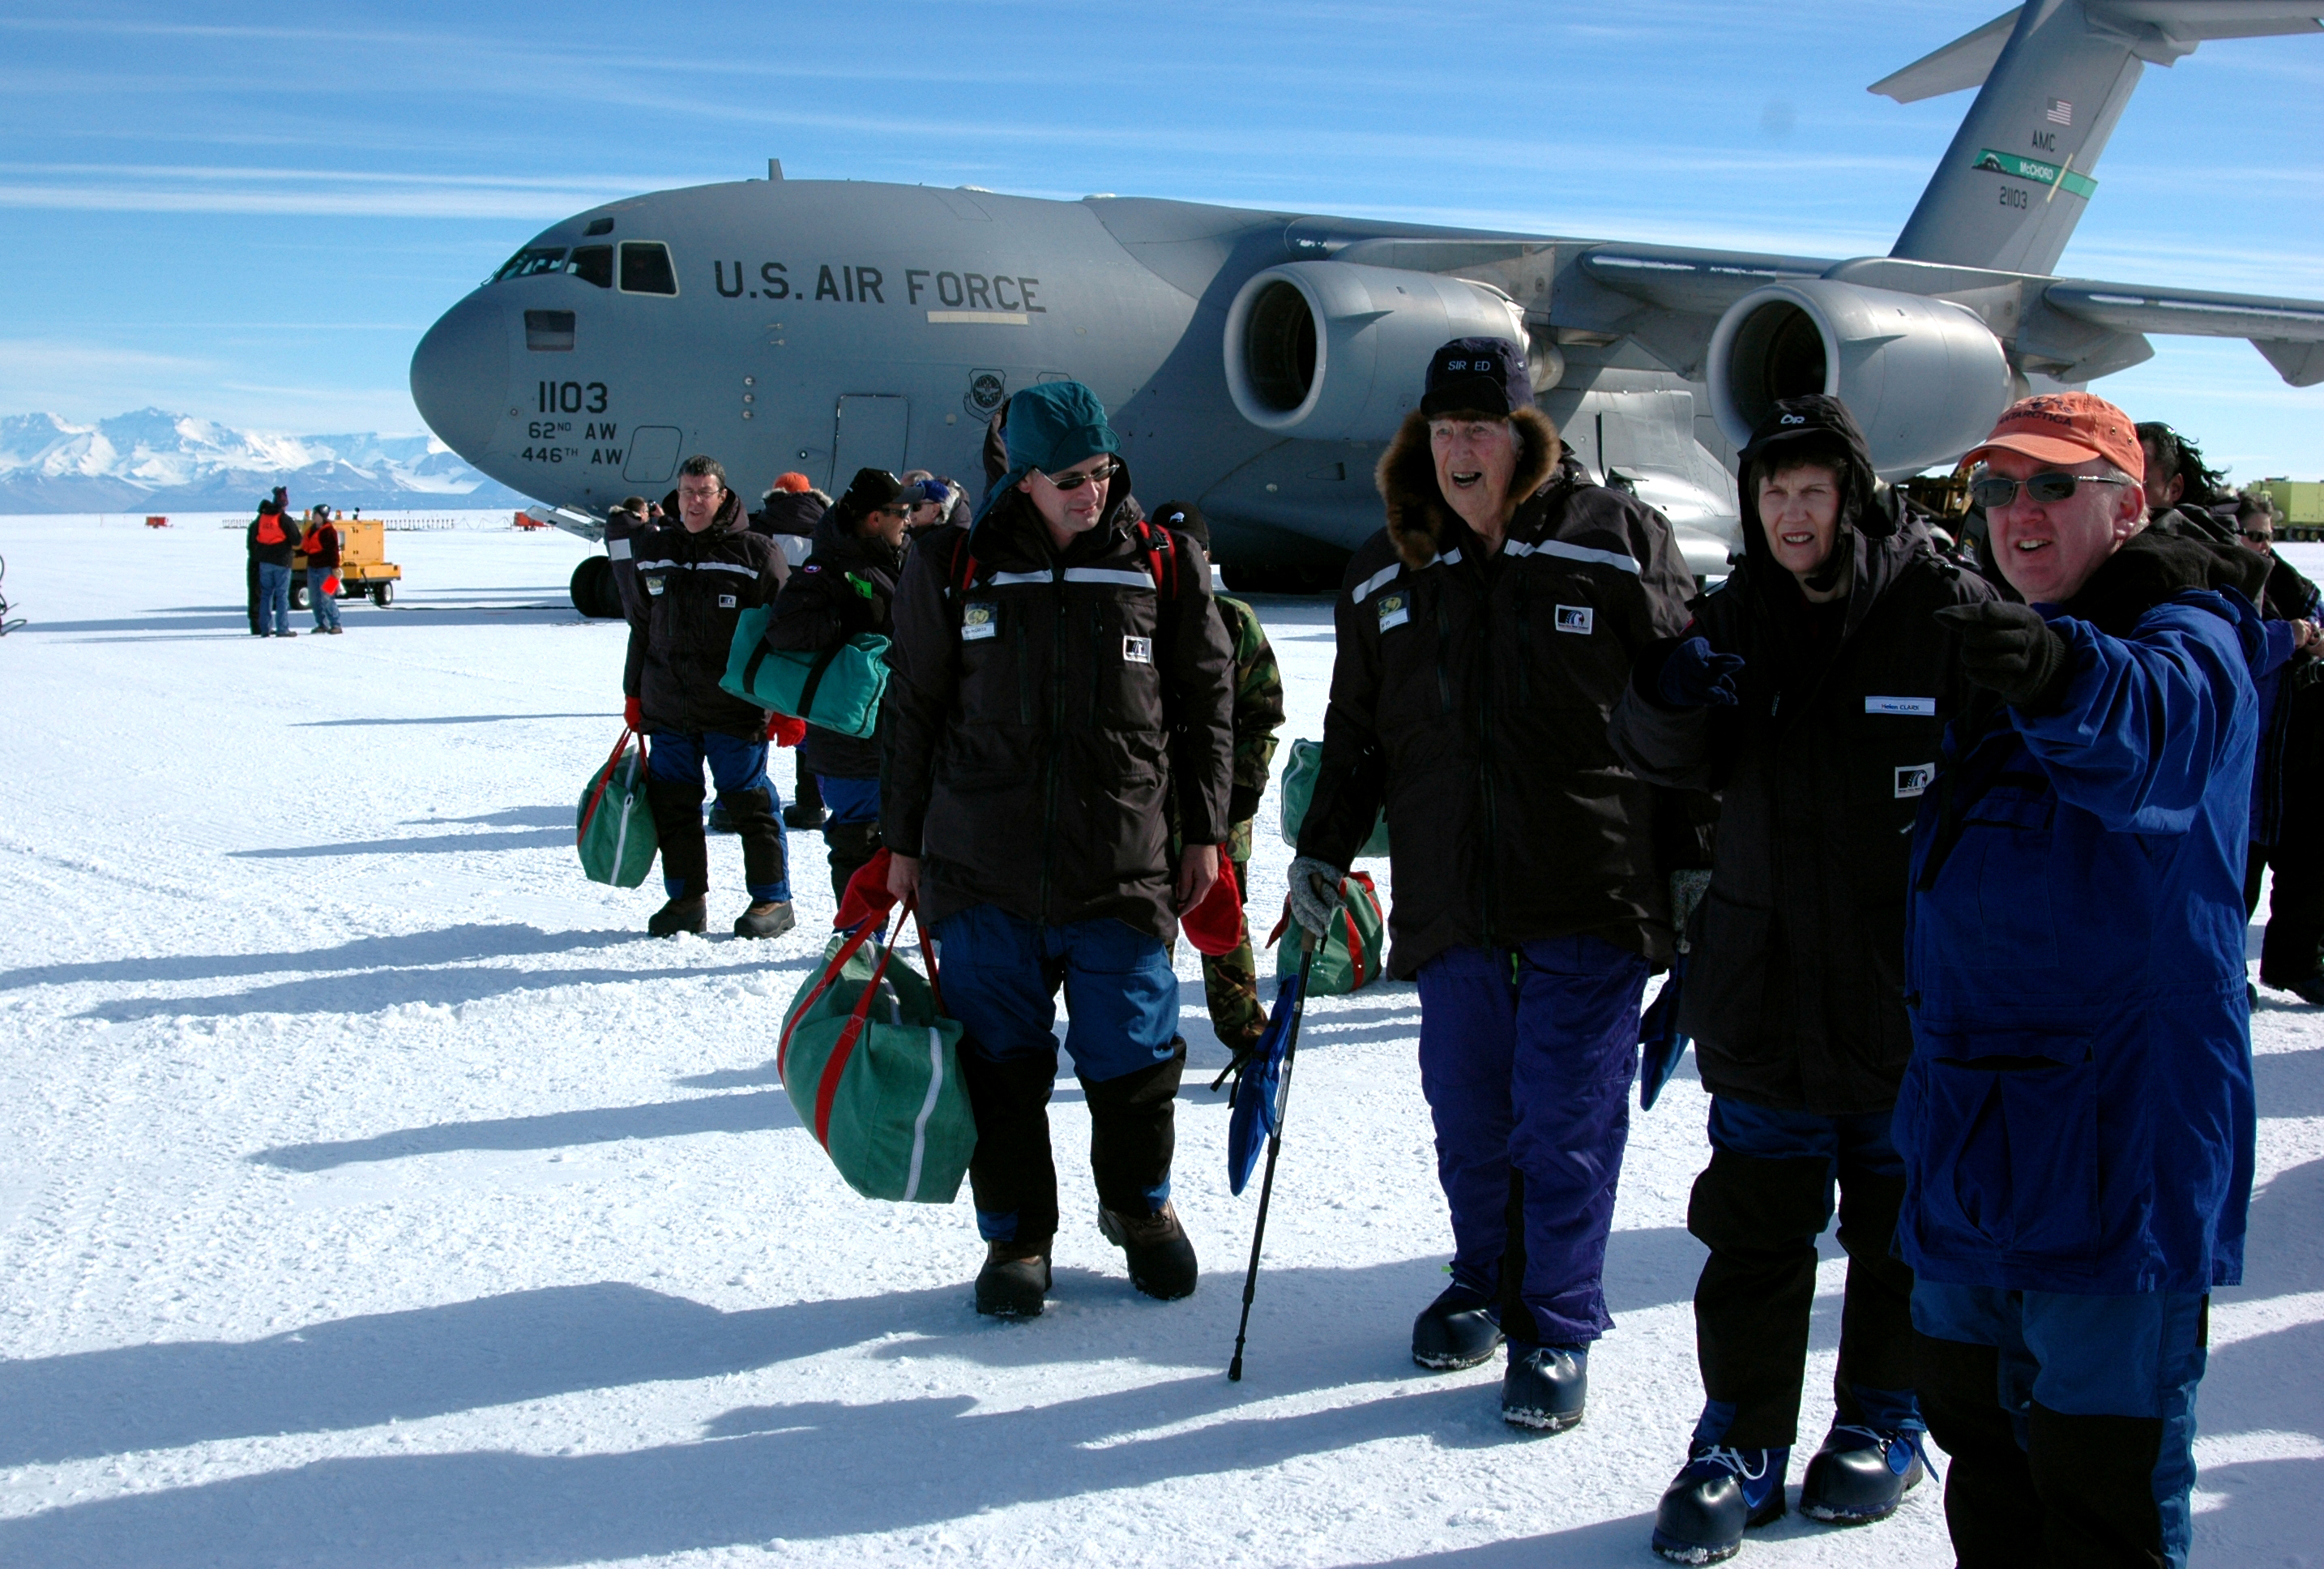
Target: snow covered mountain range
[[154, 459]]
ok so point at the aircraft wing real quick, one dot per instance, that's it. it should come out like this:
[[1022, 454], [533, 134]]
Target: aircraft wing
[[2289, 332]]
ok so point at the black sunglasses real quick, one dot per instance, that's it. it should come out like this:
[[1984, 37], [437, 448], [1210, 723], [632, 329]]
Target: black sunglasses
[[1076, 481], [1990, 491], [2259, 538]]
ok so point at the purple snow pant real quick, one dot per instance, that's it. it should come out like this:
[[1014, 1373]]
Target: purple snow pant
[[1526, 1056]]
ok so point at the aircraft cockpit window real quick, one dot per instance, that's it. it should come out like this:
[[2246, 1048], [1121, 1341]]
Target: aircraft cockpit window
[[592, 264], [646, 269], [532, 261]]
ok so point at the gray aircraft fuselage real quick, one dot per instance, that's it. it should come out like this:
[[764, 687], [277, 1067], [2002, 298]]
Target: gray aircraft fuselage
[[826, 325]]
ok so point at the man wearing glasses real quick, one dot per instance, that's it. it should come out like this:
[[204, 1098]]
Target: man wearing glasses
[[2076, 1121], [1060, 674]]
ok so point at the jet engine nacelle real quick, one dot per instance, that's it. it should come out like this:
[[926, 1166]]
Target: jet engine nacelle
[[1925, 378], [1333, 351]]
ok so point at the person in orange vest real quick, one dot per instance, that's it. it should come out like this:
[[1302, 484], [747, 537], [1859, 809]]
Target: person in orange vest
[[273, 539], [322, 548]]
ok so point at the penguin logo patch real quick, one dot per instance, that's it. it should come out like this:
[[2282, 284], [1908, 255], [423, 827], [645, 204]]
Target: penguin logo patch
[[978, 621], [1395, 610], [1138, 651], [725, 601], [1914, 778]]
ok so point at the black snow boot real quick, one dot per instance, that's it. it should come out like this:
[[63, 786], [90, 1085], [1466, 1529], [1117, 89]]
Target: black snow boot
[[1717, 1496], [765, 919], [686, 913], [1860, 1474], [1014, 1281], [1546, 1386], [1460, 1329], [1161, 1258]]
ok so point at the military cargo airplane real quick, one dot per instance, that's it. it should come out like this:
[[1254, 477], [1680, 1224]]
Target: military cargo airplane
[[1258, 362]]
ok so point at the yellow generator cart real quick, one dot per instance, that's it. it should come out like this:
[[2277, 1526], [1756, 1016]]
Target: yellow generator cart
[[363, 565]]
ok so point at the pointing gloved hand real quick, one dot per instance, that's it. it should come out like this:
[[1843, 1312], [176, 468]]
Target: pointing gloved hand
[[633, 714], [2011, 649], [1693, 677], [1312, 908]]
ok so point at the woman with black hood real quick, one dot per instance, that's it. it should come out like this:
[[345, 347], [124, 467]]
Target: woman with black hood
[[1812, 690], [844, 590]]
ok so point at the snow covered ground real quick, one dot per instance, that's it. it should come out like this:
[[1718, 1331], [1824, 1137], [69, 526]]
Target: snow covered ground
[[374, 1193]]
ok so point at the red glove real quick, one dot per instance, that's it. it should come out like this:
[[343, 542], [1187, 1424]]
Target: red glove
[[785, 731], [633, 715]]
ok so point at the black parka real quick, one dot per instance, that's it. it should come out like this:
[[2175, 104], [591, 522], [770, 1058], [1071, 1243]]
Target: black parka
[[1470, 695], [1795, 987], [843, 590], [688, 590], [1038, 722]]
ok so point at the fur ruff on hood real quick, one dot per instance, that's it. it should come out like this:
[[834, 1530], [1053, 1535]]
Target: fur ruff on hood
[[1418, 519]]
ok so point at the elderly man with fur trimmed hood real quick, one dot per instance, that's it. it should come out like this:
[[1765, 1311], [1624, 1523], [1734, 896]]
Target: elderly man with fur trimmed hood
[[1483, 637]]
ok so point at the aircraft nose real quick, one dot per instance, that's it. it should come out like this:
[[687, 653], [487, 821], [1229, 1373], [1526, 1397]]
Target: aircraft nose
[[460, 374]]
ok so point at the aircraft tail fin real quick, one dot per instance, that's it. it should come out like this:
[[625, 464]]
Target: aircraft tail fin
[[2053, 75]]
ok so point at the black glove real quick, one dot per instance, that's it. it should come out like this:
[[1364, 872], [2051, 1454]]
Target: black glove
[[2011, 649], [1693, 677]]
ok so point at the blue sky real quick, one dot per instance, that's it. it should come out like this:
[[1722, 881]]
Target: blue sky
[[252, 212]]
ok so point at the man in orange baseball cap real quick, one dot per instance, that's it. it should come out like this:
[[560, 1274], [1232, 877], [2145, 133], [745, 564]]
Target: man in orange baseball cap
[[2061, 489], [2077, 1119]]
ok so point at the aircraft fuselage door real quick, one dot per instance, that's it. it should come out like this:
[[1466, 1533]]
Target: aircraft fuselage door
[[871, 432], [653, 453]]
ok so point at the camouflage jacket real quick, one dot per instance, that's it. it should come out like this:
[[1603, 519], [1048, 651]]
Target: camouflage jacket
[[1258, 715]]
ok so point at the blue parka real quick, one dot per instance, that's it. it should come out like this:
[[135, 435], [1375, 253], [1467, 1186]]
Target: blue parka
[[2077, 1113]]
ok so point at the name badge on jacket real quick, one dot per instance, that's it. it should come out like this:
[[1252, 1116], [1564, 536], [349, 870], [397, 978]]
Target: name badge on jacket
[[978, 621], [1923, 708]]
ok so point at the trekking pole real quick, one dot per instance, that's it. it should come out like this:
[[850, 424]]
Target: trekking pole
[[1274, 1149]]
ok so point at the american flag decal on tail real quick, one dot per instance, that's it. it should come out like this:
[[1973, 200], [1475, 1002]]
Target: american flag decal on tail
[[2061, 113]]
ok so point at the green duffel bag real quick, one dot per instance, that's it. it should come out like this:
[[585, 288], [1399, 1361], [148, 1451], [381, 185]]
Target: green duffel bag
[[838, 689], [1299, 788], [1352, 954], [614, 829], [871, 1067]]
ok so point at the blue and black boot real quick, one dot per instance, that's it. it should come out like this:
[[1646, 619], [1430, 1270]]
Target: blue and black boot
[[1460, 1329], [1862, 1473], [1718, 1495]]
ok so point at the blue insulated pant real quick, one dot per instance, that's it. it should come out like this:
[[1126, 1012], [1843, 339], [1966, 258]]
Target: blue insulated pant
[[1526, 1056], [2070, 1421], [1759, 1207], [1000, 973], [738, 767]]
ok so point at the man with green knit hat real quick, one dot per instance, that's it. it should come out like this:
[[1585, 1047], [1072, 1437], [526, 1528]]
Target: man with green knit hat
[[1061, 676]]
